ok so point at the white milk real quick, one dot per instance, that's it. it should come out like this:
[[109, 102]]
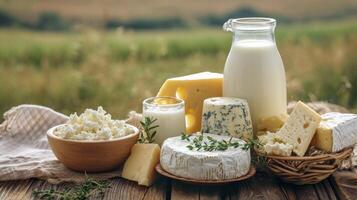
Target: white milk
[[171, 122], [254, 71]]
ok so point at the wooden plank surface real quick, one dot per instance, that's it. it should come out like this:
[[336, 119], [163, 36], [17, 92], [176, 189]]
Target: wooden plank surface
[[181, 190], [325, 190], [342, 185], [212, 192], [159, 190], [261, 186], [345, 184], [15, 189]]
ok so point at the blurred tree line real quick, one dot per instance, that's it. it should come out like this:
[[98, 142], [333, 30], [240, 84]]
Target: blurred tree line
[[54, 22]]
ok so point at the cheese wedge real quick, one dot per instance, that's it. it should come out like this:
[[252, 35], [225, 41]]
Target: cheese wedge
[[299, 128], [193, 89], [140, 166], [336, 131]]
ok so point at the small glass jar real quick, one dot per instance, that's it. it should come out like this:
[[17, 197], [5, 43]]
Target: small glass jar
[[169, 113]]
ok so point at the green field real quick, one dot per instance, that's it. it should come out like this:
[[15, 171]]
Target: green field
[[75, 70]]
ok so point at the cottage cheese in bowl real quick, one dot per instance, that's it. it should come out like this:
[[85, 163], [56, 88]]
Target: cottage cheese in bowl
[[93, 125]]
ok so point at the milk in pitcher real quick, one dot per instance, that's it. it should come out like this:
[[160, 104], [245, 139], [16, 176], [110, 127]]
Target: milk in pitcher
[[254, 69]]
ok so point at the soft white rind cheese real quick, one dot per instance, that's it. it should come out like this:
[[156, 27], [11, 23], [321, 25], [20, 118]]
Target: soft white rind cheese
[[178, 160], [227, 116], [336, 131], [93, 125]]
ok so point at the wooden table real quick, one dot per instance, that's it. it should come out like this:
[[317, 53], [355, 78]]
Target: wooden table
[[342, 185]]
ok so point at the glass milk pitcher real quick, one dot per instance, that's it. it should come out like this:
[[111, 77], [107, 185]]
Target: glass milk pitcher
[[254, 70]]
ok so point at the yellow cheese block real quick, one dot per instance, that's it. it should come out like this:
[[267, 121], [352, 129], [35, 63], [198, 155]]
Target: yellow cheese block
[[193, 89], [272, 124], [140, 166], [323, 139]]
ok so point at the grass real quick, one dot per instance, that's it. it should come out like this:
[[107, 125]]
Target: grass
[[73, 71]]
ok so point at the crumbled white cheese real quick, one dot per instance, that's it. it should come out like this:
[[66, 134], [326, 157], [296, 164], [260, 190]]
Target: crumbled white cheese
[[278, 149], [273, 146], [93, 125]]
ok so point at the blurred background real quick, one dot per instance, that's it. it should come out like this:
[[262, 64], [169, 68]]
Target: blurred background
[[70, 55]]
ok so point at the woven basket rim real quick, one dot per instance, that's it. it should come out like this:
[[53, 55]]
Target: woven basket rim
[[337, 154]]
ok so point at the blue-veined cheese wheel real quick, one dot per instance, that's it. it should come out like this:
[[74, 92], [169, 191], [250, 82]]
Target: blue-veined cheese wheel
[[227, 116]]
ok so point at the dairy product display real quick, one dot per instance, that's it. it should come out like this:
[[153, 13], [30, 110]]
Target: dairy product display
[[227, 116], [336, 131], [179, 160], [254, 69], [193, 89], [299, 128], [140, 166], [93, 125]]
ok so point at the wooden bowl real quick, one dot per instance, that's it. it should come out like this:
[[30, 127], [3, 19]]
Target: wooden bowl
[[92, 156], [307, 169]]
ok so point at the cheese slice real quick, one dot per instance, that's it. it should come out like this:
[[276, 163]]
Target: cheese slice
[[140, 166], [227, 116], [179, 160], [336, 131], [299, 128], [193, 89]]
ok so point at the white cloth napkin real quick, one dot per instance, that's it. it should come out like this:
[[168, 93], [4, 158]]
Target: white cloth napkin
[[24, 150]]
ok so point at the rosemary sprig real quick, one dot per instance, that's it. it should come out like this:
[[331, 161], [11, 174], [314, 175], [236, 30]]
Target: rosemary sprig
[[210, 144], [251, 143], [148, 132], [185, 137], [81, 192]]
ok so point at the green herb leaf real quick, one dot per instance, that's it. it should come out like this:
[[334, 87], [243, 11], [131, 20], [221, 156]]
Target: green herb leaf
[[148, 132], [185, 137], [211, 144]]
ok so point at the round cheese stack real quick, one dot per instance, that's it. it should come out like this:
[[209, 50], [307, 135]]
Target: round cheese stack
[[179, 160], [227, 116]]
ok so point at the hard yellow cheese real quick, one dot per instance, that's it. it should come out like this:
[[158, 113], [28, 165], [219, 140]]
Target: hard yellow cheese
[[140, 166], [272, 124], [299, 128], [193, 89]]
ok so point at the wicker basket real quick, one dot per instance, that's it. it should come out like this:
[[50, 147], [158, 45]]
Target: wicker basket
[[308, 169]]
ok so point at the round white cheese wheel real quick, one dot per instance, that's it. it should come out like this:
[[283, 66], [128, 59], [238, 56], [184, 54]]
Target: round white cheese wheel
[[179, 160], [227, 116]]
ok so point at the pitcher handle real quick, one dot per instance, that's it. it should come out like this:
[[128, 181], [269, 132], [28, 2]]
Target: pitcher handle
[[227, 26]]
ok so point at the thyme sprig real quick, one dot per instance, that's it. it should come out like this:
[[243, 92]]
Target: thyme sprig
[[148, 132], [81, 192], [210, 144]]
